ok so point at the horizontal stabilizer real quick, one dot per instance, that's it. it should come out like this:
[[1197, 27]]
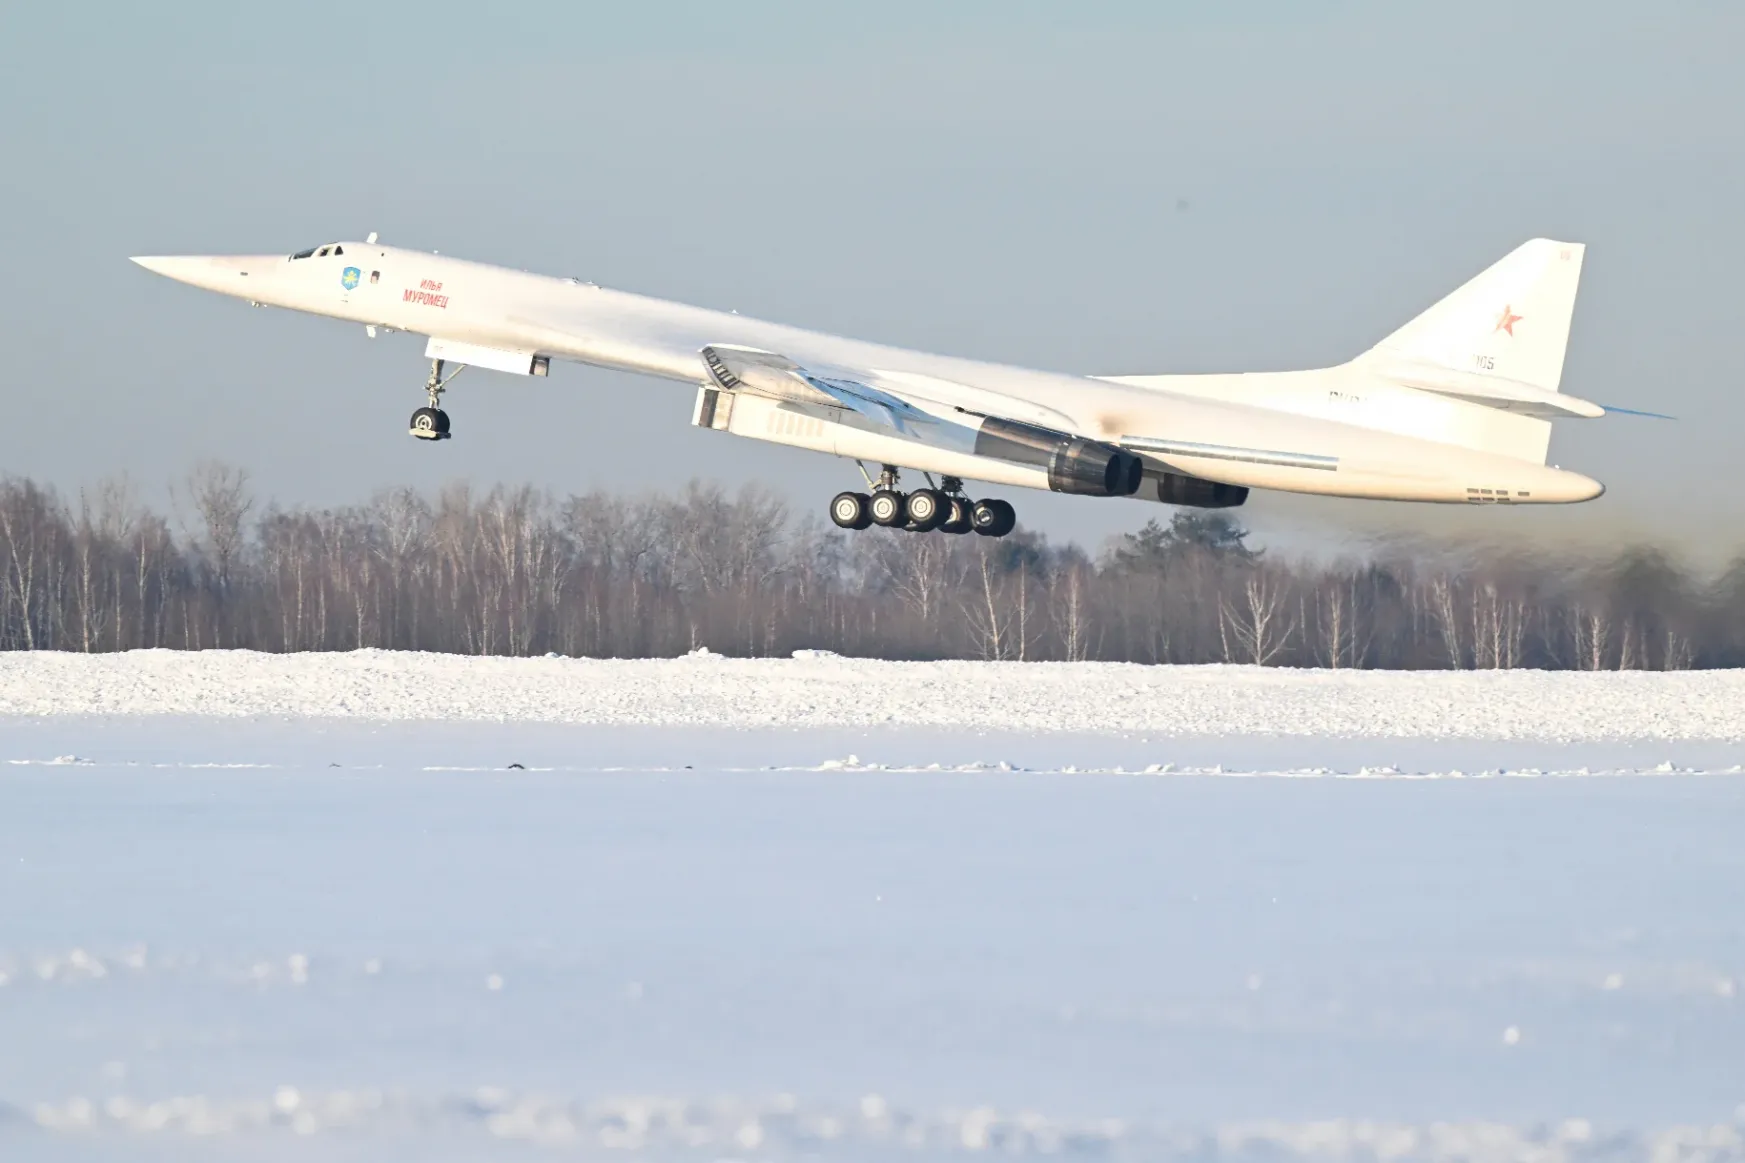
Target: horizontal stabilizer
[[1493, 391], [1611, 411]]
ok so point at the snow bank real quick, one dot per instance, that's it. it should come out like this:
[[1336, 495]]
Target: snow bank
[[817, 689]]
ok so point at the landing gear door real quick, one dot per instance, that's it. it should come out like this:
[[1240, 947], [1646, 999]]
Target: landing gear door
[[714, 408]]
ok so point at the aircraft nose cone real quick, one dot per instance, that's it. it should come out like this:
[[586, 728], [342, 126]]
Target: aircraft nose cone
[[169, 265], [214, 272]]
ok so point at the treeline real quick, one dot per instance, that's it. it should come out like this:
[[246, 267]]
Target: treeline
[[514, 571]]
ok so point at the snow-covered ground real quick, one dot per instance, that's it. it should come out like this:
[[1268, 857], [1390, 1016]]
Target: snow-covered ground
[[307, 909], [823, 690]]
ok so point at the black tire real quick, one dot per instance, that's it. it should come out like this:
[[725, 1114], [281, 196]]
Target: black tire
[[850, 511], [886, 507], [430, 423], [993, 518], [926, 510], [1008, 517], [957, 519]]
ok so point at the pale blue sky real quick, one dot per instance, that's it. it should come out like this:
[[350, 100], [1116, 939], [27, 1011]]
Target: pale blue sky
[[1089, 187]]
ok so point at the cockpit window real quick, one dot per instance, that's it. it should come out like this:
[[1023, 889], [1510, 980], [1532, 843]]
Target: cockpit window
[[303, 254], [324, 252], [338, 250]]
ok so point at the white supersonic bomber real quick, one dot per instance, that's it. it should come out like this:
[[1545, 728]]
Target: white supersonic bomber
[[1456, 406]]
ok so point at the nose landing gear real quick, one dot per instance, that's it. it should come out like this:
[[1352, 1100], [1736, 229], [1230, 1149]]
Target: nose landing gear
[[431, 422], [945, 509]]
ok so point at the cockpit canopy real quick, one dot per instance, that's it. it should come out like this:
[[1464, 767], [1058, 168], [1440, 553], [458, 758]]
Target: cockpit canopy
[[331, 249]]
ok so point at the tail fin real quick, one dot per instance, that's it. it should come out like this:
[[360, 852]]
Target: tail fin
[[1509, 323]]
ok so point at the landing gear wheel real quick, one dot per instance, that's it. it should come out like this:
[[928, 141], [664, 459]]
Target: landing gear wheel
[[886, 507], [993, 518], [430, 424], [957, 519], [1008, 518], [851, 510], [926, 510]]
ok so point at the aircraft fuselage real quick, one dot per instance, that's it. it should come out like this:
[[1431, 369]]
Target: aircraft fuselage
[[1311, 432]]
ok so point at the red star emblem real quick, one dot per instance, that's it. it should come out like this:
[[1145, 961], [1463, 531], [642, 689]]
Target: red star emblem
[[1506, 322]]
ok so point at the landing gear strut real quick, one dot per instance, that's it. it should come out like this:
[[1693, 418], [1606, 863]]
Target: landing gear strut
[[958, 507], [945, 508], [431, 422]]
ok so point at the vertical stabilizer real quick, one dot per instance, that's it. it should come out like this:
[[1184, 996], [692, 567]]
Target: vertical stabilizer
[[1510, 322]]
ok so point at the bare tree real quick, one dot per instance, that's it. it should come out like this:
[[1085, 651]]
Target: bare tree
[[1440, 601], [1343, 639], [1497, 627], [1590, 631], [34, 532], [220, 495], [1072, 611], [514, 571], [986, 612], [1256, 626]]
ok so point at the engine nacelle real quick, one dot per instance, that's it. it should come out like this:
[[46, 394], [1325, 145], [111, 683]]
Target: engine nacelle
[[1073, 463], [1175, 489]]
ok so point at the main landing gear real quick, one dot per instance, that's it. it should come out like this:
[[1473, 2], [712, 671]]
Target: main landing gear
[[945, 509], [431, 422]]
